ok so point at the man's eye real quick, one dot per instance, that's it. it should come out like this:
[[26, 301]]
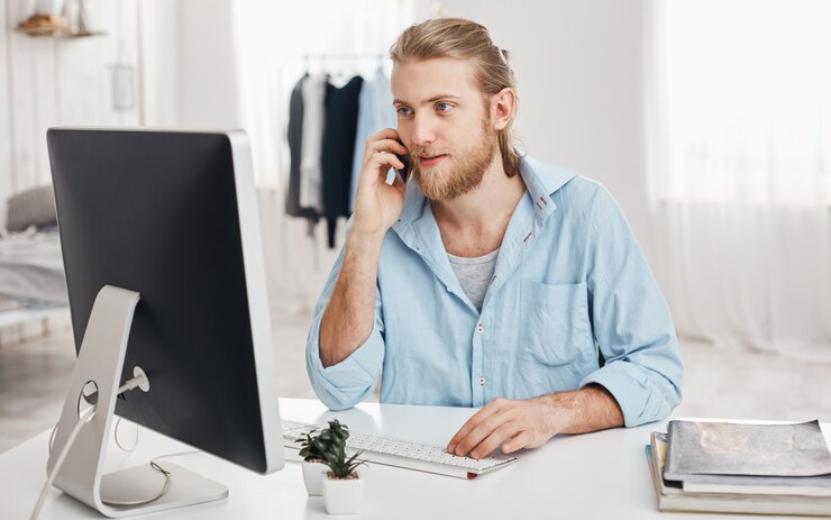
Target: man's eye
[[448, 105], [403, 111]]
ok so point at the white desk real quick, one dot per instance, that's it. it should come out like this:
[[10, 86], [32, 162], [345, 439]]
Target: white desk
[[599, 475]]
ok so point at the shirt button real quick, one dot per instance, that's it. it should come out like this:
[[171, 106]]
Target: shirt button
[[482, 381], [480, 329]]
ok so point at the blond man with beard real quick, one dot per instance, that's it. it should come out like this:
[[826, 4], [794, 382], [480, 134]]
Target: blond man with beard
[[490, 280]]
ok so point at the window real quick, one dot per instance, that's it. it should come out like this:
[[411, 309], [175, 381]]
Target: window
[[740, 98]]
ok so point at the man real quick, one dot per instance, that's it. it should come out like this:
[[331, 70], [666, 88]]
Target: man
[[490, 280]]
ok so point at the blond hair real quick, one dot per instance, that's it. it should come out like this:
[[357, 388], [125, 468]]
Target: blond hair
[[467, 40]]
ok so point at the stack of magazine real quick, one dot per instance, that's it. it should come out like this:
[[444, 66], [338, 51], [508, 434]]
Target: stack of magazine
[[741, 468]]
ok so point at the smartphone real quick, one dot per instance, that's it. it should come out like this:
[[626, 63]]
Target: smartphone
[[403, 174]]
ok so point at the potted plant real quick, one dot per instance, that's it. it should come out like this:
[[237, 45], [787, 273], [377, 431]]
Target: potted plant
[[342, 488], [314, 448]]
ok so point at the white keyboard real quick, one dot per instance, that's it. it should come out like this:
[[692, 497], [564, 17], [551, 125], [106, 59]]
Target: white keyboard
[[401, 453]]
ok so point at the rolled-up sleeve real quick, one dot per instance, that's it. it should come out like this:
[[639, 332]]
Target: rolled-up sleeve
[[632, 324], [347, 383]]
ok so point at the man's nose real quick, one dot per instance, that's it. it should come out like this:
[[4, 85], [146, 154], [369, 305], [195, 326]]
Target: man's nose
[[423, 131]]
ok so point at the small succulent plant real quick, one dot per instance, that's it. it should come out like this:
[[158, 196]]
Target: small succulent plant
[[340, 466], [320, 443]]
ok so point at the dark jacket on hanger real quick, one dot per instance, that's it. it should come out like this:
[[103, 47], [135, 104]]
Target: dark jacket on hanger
[[338, 151]]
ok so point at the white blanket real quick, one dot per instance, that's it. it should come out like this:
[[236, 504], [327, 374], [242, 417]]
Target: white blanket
[[31, 268]]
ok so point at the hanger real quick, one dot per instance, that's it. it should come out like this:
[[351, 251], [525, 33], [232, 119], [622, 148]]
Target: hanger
[[380, 69], [323, 67]]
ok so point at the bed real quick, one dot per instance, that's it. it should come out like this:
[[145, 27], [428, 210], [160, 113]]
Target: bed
[[32, 282]]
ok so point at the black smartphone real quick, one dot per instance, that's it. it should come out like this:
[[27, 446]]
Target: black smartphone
[[405, 158]]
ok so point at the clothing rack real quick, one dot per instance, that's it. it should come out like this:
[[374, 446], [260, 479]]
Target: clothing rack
[[307, 57], [281, 85], [353, 57], [323, 57]]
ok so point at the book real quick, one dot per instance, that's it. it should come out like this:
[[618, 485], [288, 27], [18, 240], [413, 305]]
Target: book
[[799, 486], [723, 448], [740, 484], [803, 486], [671, 496]]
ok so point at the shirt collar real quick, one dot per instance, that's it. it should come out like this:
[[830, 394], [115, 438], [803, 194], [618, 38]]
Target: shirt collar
[[541, 180]]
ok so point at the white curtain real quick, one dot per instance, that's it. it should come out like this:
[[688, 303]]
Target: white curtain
[[739, 132], [271, 39]]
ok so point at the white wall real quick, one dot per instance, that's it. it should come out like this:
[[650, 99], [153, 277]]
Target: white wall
[[189, 73], [160, 52], [48, 81], [208, 73], [579, 69]]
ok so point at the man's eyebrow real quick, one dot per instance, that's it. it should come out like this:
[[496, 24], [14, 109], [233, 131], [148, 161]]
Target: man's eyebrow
[[431, 100]]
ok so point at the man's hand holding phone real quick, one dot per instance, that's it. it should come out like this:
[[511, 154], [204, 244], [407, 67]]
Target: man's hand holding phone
[[349, 315], [378, 204]]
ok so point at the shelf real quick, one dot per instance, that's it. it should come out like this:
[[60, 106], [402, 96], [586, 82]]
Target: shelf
[[40, 25]]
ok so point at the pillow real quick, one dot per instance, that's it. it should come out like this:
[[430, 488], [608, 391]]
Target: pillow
[[34, 207]]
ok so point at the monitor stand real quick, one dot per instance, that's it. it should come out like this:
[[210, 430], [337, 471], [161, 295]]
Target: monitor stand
[[100, 363]]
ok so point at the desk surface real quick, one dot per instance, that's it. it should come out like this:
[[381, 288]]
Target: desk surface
[[597, 475]]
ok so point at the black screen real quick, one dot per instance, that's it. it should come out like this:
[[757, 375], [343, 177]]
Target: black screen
[[156, 213]]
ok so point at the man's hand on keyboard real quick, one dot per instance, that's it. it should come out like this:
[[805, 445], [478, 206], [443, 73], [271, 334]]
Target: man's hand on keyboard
[[506, 423], [513, 425]]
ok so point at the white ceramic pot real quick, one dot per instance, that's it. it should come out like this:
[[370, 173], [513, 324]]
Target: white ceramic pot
[[313, 475], [342, 497]]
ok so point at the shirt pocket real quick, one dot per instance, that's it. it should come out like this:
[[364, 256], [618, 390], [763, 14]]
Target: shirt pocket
[[555, 328]]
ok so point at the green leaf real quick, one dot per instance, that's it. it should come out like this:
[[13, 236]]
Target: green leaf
[[330, 445], [331, 458], [353, 457]]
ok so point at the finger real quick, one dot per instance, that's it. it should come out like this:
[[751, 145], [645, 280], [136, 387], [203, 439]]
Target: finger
[[482, 431], [387, 145], [520, 440], [377, 166], [495, 439], [377, 169], [385, 158], [386, 133], [486, 411]]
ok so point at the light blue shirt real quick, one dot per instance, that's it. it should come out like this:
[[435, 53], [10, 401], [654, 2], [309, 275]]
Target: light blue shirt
[[572, 302]]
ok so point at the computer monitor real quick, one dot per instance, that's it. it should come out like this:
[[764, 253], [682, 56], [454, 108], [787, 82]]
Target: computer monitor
[[172, 215]]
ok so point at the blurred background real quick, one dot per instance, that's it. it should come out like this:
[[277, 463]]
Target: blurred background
[[708, 120]]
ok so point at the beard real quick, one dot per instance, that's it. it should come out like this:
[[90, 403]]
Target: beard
[[463, 175]]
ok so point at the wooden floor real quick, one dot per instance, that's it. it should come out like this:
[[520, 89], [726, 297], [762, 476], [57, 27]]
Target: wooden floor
[[717, 383]]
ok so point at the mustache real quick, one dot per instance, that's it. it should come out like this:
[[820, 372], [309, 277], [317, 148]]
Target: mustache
[[427, 152]]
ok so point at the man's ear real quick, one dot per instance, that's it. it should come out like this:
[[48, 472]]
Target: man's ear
[[502, 107]]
